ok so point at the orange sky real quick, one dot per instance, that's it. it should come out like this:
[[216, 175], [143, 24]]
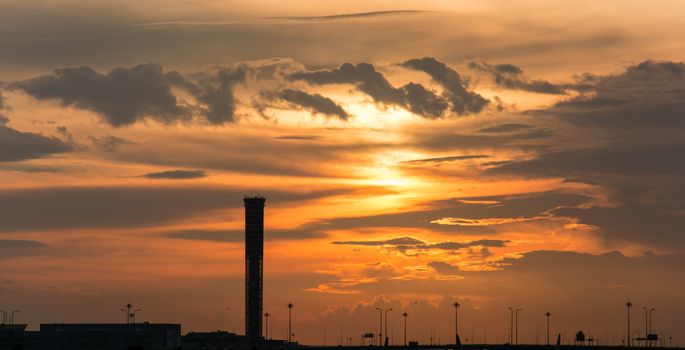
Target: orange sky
[[412, 154]]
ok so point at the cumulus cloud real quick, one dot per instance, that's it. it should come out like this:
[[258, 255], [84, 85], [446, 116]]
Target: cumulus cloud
[[177, 174], [314, 103], [368, 80], [17, 145], [511, 77], [462, 100], [124, 96]]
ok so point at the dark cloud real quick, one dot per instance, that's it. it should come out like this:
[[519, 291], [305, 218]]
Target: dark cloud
[[444, 268], [503, 128], [109, 143], [364, 76], [393, 241], [236, 236], [462, 100], [448, 140], [177, 174], [653, 225], [511, 77], [123, 207], [124, 96], [10, 248], [413, 245], [214, 91], [648, 95], [618, 159], [17, 146], [637, 117], [349, 15], [531, 206], [298, 137], [315, 103], [424, 102], [445, 159]]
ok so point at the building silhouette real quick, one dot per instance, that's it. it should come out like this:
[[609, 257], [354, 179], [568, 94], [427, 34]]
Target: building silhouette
[[254, 265]]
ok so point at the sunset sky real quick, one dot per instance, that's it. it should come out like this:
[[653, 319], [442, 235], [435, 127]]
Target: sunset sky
[[413, 153]]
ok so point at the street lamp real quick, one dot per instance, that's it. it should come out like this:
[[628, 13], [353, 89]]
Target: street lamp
[[456, 322], [266, 316], [548, 314], [628, 305], [380, 327], [386, 322], [650, 322], [290, 329], [516, 322], [12, 316], [511, 326], [405, 327]]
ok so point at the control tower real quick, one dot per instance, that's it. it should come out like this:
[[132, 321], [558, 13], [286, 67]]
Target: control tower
[[254, 264]]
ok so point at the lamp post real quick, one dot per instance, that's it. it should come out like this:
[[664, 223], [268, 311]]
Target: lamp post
[[511, 326], [132, 316], [386, 322], [628, 305], [380, 327], [290, 328], [12, 316], [405, 327], [548, 314], [516, 322], [266, 317], [650, 322], [456, 322]]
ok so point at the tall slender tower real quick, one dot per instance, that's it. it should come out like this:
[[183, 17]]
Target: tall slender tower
[[254, 264]]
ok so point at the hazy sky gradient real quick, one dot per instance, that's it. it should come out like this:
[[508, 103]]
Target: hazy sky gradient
[[412, 153]]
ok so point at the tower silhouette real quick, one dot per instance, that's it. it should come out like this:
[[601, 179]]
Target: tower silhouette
[[254, 264]]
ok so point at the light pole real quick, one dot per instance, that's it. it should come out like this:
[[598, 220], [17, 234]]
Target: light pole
[[266, 317], [405, 328], [628, 305], [646, 323], [548, 314], [516, 322], [386, 322], [511, 326], [290, 328], [133, 316], [380, 327], [12, 316], [456, 322], [650, 322]]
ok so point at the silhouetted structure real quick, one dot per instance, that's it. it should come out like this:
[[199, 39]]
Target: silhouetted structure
[[105, 336], [254, 265]]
